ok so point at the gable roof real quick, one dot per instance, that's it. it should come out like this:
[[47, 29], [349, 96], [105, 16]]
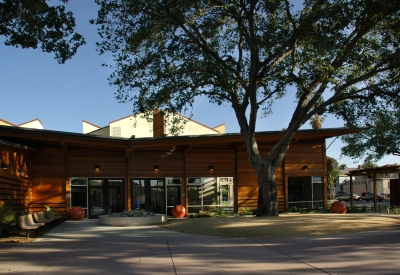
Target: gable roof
[[6, 123], [24, 124], [31, 121], [214, 129]]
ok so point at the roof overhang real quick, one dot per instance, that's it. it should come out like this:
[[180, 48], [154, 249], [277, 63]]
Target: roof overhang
[[389, 168], [35, 137]]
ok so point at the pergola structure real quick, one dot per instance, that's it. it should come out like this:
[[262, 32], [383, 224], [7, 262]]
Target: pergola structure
[[390, 168]]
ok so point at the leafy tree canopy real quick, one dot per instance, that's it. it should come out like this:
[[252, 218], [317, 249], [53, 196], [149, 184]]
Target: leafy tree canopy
[[382, 138], [369, 164], [33, 24], [250, 54]]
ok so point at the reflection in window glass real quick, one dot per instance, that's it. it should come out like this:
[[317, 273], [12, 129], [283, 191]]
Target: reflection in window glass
[[305, 192], [194, 195], [210, 193], [138, 190]]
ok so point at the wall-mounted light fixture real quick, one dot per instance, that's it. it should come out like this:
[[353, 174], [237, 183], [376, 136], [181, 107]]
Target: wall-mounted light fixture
[[20, 171], [211, 168], [305, 167], [3, 165], [97, 167], [156, 167]]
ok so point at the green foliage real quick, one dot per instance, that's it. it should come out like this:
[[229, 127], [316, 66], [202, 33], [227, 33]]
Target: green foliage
[[376, 141], [339, 56], [333, 174], [394, 209], [369, 164], [34, 23], [356, 209], [48, 209], [215, 212], [8, 220], [293, 209], [351, 209], [246, 211]]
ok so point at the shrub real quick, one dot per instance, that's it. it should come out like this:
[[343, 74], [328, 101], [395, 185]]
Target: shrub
[[246, 211], [395, 209], [8, 219], [353, 209]]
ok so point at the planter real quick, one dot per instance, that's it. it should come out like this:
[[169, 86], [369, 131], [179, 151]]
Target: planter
[[178, 211], [338, 207], [131, 221], [77, 213]]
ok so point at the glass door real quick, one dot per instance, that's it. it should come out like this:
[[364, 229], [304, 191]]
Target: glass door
[[96, 199], [173, 197], [115, 196], [79, 193], [157, 196], [138, 189], [106, 196]]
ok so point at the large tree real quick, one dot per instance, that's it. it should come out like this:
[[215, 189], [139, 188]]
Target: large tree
[[248, 53], [34, 23]]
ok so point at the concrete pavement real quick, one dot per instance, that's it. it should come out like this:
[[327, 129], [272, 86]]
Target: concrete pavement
[[84, 247]]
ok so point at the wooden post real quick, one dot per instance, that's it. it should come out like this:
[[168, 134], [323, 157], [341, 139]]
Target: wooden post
[[351, 193], [375, 196]]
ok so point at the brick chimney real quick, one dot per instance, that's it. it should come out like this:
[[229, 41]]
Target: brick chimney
[[158, 123]]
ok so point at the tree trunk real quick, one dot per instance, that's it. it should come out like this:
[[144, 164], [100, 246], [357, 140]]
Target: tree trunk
[[267, 195], [316, 123]]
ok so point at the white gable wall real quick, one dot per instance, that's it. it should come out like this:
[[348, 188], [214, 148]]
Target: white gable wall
[[140, 127], [191, 128], [5, 123], [88, 127], [34, 124], [132, 125], [101, 132]]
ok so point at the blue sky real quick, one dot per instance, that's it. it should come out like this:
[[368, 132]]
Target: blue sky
[[34, 85]]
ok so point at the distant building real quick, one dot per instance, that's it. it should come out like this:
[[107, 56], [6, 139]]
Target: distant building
[[365, 182], [33, 124], [139, 126]]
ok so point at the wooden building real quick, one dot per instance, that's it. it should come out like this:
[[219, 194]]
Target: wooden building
[[110, 174]]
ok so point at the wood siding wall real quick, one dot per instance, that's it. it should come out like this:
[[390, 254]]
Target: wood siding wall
[[247, 183], [53, 165], [15, 186], [48, 178]]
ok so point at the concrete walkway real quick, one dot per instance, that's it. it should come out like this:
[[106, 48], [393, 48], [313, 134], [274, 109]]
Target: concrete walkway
[[84, 247]]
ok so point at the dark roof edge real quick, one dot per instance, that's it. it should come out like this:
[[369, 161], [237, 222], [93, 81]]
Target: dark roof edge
[[91, 136]]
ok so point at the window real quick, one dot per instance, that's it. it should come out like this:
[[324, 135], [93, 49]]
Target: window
[[116, 131], [79, 191], [305, 192], [210, 193]]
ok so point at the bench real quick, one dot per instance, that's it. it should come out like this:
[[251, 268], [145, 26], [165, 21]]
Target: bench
[[41, 218], [26, 223], [50, 215]]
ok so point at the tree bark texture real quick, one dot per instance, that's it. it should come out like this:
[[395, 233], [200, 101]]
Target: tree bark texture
[[267, 195]]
